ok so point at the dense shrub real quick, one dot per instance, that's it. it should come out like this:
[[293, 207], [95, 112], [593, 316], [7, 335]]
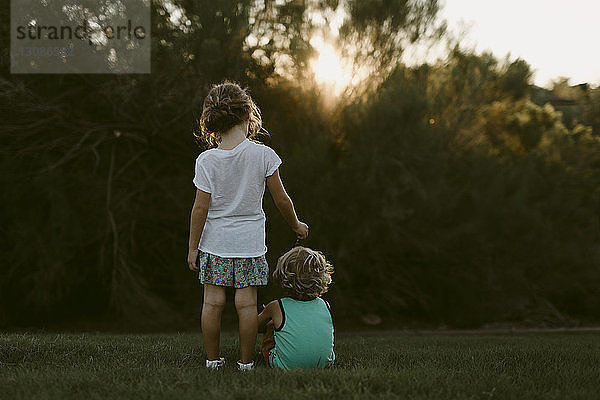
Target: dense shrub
[[442, 196]]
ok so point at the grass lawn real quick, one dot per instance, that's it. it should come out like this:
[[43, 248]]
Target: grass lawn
[[412, 366]]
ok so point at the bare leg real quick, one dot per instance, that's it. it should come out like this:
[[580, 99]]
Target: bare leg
[[245, 304], [212, 308]]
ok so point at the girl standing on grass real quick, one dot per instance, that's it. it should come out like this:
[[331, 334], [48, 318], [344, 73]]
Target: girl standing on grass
[[227, 223]]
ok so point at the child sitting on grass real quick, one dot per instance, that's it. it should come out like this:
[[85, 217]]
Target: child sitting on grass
[[299, 332]]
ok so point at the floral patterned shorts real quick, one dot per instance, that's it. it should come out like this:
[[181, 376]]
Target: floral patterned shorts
[[236, 272]]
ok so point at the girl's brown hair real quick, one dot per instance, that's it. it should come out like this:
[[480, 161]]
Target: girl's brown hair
[[303, 273], [227, 105]]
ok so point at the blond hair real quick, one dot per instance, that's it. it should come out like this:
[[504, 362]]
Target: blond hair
[[303, 273], [226, 106]]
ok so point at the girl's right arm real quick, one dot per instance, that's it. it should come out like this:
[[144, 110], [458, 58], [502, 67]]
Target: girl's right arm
[[197, 221], [285, 206]]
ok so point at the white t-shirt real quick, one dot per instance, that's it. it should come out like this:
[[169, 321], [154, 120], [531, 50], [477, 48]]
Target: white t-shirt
[[235, 179]]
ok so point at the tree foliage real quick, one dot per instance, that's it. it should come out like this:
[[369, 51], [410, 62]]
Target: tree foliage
[[444, 194], [469, 200]]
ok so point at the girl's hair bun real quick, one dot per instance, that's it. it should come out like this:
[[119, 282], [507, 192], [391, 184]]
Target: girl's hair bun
[[218, 117], [226, 106]]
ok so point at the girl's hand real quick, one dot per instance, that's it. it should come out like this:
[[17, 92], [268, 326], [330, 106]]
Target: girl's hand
[[191, 259], [301, 230]]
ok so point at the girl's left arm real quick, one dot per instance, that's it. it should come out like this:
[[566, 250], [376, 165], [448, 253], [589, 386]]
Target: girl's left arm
[[197, 221]]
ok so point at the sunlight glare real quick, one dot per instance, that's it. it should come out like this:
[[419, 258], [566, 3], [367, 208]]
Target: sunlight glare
[[328, 68]]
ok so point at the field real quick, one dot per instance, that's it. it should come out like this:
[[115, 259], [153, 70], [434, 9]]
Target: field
[[405, 365]]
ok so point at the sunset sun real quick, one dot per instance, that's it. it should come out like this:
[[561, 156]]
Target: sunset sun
[[328, 68]]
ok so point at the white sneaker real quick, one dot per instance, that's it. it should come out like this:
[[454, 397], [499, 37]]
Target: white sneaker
[[215, 364], [245, 367]]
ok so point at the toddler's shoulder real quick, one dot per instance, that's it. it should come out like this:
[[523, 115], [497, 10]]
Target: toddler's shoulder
[[273, 303], [324, 303], [273, 308]]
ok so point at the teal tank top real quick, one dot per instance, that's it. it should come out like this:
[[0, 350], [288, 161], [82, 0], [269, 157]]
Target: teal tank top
[[305, 337]]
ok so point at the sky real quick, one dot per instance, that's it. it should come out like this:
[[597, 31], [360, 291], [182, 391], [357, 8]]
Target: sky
[[556, 37]]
